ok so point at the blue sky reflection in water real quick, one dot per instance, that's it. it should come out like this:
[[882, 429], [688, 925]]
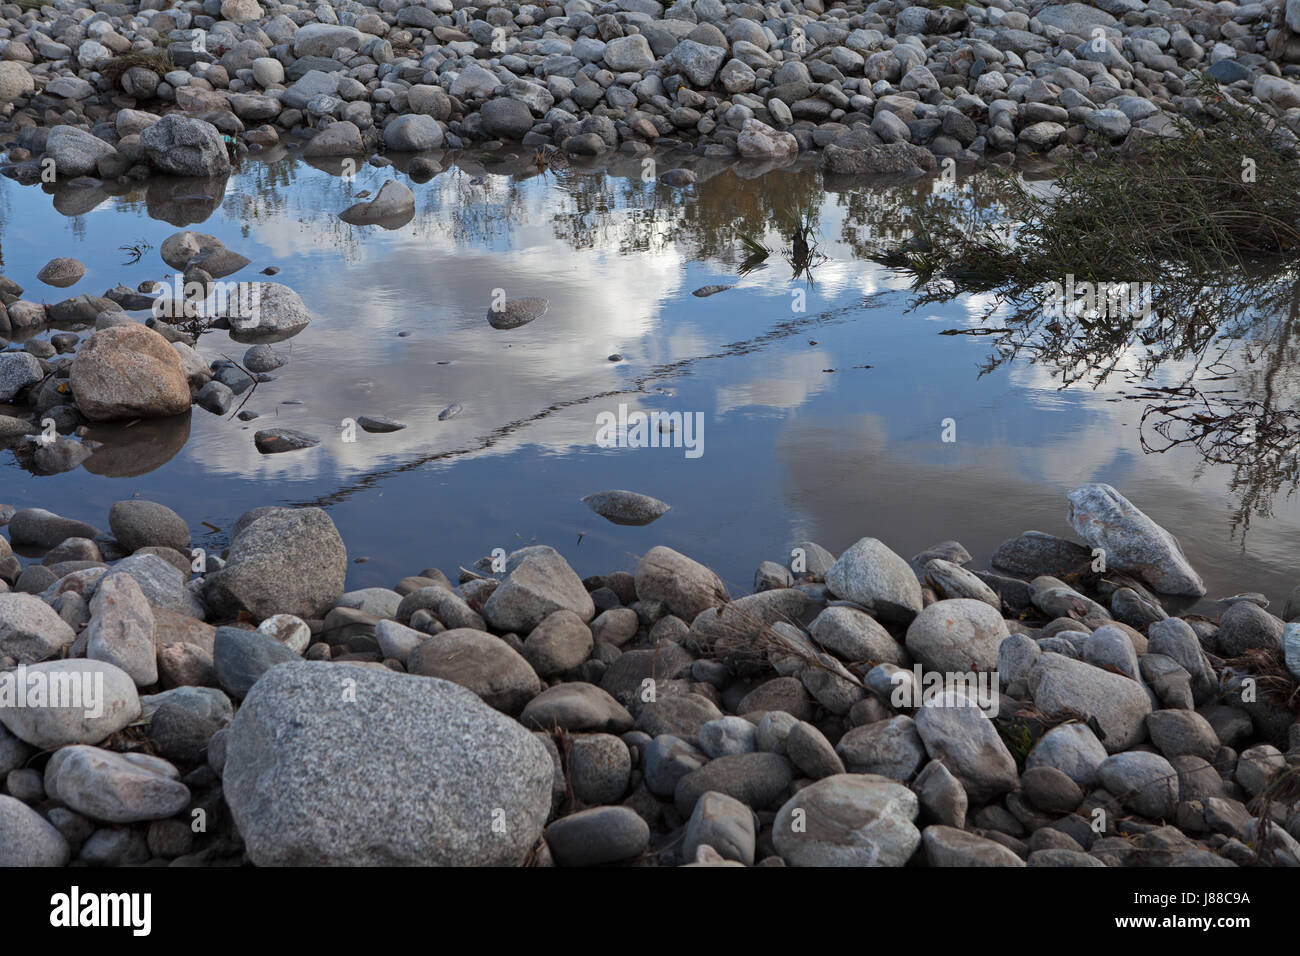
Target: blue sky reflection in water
[[821, 424]]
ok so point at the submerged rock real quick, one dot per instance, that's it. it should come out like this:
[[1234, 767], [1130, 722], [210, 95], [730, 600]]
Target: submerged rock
[[75, 152], [875, 160], [704, 291], [18, 370], [263, 358], [412, 133], [137, 524], [337, 139], [760, 141], [44, 529], [180, 247], [677, 177], [516, 312]]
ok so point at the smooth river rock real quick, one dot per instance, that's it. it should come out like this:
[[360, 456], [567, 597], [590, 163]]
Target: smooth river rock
[[872, 575], [1131, 541], [848, 820]]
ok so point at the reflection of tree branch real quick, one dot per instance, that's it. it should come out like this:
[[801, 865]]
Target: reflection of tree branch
[[1224, 430], [1199, 324], [1213, 249]]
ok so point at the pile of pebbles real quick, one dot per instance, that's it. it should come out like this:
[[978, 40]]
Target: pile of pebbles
[[247, 709], [134, 90]]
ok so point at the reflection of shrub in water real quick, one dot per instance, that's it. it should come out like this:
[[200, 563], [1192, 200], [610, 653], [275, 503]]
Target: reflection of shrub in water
[[134, 251], [800, 252], [1210, 217], [1187, 206]]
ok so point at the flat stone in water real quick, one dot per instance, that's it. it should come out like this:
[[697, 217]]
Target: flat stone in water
[[517, 312], [274, 440], [705, 291], [625, 507], [372, 423]]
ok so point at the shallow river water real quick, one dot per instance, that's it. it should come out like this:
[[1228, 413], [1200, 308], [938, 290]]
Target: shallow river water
[[823, 398]]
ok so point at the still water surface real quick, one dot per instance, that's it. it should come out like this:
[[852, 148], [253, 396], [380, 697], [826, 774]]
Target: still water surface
[[822, 424]]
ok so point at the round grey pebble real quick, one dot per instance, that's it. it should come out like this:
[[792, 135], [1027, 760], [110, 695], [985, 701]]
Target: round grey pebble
[[599, 835], [599, 768]]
